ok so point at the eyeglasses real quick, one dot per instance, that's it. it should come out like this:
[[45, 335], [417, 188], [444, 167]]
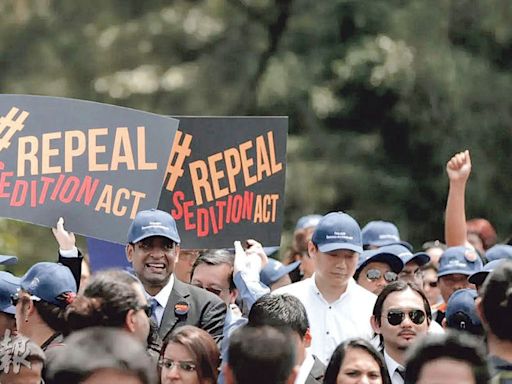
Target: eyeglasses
[[15, 298], [407, 274], [395, 317], [146, 308], [187, 366], [376, 274]]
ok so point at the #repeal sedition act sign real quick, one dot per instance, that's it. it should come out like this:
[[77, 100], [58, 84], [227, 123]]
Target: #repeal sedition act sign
[[94, 164], [225, 180]]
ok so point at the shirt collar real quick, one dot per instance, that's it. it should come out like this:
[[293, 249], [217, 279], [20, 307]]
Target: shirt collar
[[350, 286], [163, 296], [305, 368], [391, 364]]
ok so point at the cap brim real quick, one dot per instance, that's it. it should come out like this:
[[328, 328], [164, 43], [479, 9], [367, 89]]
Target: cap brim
[[11, 310], [8, 260], [421, 258], [330, 247], [148, 235], [383, 243], [456, 272], [478, 278]]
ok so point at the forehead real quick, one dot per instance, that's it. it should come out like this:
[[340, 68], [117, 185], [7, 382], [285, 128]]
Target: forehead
[[178, 352], [412, 265], [403, 299], [207, 273]]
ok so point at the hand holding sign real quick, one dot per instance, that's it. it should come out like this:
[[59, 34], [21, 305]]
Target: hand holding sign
[[65, 239]]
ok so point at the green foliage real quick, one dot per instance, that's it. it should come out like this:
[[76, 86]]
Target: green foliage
[[380, 93]]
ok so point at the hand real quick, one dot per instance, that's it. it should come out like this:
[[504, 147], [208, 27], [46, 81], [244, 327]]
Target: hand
[[459, 167], [65, 239], [256, 249], [249, 263]]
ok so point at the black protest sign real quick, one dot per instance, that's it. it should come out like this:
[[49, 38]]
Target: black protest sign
[[94, 164], [225, 180]]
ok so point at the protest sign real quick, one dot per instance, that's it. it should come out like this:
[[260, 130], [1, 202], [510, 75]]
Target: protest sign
[[225, 180], [94, 164]]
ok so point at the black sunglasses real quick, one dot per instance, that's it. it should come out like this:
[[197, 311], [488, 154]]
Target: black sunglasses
[[375, 274], [146, 308], [395, 317]]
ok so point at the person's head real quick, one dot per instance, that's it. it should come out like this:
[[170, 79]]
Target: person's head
[[461, 313], [478, 278], [376, 234], [401, 314], [112, 298], [261, 355], [377, 268], [25, 361], [153, 248], [213, 271], [481, 234], [356, 361], [495, 307], [335, 246], [275, 274], [413, 262], [449, 358], [430, 285], [9, 285], [434, 249], [45, 292], [283, 311], [299, 250], [189, 355], [101, 355], [499, 252], [185, 263], [455, 265]]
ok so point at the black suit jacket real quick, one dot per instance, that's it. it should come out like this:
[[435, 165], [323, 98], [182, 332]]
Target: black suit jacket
[[205, 310], [316, 375]]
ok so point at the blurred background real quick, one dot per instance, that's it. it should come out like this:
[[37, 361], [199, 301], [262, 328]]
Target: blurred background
[[380, 94]]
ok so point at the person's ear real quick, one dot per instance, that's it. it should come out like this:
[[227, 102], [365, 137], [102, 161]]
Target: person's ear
[[375, 325], [129, 249], [130, 321], [233, 294], [480, 310], [177, 250], [312, 249], [307, 338], [444, 323]]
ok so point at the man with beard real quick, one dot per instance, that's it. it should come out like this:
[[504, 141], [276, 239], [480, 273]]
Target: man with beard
[[400, 316]]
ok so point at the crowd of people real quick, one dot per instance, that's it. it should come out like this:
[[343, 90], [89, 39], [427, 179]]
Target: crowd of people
[[346, 305]]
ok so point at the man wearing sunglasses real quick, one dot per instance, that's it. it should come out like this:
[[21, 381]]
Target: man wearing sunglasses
[[376, 269], [401, 315]]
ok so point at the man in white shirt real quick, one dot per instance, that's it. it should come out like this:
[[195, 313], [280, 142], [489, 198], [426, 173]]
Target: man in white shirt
[[400, 317], [338, 309]]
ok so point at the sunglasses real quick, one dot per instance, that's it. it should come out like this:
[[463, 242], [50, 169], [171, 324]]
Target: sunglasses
[[395, 317], [15, 298], [187, 366], [375, 274], [146, 308]]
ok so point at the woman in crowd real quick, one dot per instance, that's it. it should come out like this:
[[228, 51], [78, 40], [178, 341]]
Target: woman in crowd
[[190, 355], [355, 360]]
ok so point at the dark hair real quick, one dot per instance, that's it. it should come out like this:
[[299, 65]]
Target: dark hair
[[451, 345], [217, 257], [282, 310], [336, 361], [261, 355], [106, 300], [52, 315], [93, 349], [202, 345], [497, 301], [484, 230], [398, 286]]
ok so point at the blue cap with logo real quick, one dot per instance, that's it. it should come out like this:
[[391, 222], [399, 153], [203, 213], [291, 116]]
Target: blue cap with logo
[[380, 233], [461, 311], [406, 255], [274, 270], [379, 255], [499, 251], [337, 230], [308, 221], [9, 285], [153, 222], [50, 282], [459, 260], [479, 277]]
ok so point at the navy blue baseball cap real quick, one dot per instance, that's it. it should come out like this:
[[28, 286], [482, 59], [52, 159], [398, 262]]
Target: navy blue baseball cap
[[308, 221], [380, 233], [8, 259], [153, 222], [459, 260], [499, 251], [461, 311], [9, 285], [50, 282], [274, 270], [379, 255], [337, 230], [479, 277], [406, 255]]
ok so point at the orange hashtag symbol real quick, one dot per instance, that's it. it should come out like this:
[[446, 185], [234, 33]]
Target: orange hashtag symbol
[[14, 125], [180, 151]]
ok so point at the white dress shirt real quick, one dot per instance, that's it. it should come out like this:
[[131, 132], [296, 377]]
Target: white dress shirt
[[392, 365], [162, 297], [333, 323]]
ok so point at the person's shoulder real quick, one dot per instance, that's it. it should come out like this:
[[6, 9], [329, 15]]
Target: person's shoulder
[[196, 293]]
